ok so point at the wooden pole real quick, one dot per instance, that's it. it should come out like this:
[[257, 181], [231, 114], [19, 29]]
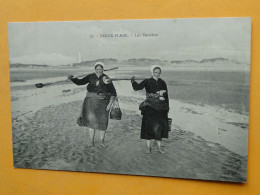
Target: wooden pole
[[40, 85], [126, 79]]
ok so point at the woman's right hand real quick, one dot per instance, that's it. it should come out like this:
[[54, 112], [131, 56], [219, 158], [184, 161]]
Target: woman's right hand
[[133, 79], [70, 77]]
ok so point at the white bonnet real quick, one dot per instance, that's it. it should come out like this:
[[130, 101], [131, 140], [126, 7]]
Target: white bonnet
[[99, 63], [155, 66]]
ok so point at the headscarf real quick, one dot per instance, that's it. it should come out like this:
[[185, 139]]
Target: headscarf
[[99, 64], [155, 66]]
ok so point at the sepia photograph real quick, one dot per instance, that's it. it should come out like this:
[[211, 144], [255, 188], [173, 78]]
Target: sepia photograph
[[147, 97]]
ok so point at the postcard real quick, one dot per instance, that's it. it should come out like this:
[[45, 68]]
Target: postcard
[[149, 97]]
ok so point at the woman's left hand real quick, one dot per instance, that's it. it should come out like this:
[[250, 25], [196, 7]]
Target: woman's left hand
[[162, 92], [106, 80], [108, 106]]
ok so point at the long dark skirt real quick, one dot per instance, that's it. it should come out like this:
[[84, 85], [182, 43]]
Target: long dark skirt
[[154, 124], [93, 113]]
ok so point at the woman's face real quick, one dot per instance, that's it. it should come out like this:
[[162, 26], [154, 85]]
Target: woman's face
[[99, 70], [156, 73]]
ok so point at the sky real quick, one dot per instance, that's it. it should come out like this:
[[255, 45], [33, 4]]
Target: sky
[[59, 43]]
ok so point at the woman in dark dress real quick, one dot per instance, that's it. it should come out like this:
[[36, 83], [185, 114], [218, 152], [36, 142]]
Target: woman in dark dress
[[98, 101], [154, 109]]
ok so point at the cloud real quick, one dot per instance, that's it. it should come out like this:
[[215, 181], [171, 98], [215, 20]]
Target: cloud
[[55, 42]]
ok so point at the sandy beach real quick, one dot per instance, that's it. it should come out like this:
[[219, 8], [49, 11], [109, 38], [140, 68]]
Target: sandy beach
[[204, 142]]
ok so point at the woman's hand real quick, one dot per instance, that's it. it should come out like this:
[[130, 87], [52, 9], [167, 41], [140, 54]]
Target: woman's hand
[[111, 101], [162, 92], [161, 98], [106, 80], [108, 106], [133, 79], [70, 77]]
